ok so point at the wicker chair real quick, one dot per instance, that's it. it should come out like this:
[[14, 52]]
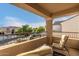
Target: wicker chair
[[61, 46]]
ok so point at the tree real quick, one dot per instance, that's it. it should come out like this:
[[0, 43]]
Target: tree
[[35, 30], [20, 30], [26, 29], [40, 29]]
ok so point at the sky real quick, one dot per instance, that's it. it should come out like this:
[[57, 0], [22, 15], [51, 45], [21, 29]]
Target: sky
[[13, 16]]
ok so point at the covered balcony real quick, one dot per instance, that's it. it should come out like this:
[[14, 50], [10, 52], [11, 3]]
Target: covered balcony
[[49, 11]]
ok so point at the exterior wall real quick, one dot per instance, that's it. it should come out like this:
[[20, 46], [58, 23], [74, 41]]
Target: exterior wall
[[14, 49], [71, 25], [56, 27]]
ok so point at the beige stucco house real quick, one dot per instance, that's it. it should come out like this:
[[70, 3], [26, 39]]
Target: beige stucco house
[[8, 30], [57, 26], [71, 25]]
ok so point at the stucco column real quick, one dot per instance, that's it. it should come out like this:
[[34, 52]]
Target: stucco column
[[49, 30]]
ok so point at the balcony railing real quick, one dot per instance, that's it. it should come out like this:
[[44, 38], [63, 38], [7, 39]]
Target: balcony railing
[[16, 38], [70, 34]]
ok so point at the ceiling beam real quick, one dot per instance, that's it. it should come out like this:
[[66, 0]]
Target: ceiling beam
[[67, 11], [35, 8]]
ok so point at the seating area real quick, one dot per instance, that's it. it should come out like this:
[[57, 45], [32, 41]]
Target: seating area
[[47, 50], [61, 45], [39, 47], [71, 45]]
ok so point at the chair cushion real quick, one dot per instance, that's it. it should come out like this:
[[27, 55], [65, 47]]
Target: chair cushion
[[56, 45], [43, 50], [63, 40]]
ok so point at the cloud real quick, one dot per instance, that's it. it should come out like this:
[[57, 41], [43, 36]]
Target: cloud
[[37, 24], [13, 21]]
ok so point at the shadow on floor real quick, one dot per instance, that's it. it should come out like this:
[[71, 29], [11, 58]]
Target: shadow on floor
[[57, 54]]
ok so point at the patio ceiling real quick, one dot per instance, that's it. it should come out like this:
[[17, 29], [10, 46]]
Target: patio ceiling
[[50, 9]]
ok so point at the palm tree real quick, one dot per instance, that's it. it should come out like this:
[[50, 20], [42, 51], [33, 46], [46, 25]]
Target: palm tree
[[26, 29]]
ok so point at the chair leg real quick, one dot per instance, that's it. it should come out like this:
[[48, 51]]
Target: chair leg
[[67, 51]]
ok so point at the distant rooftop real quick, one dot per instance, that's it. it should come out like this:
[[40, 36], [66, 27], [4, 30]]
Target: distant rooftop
[[59, 22]]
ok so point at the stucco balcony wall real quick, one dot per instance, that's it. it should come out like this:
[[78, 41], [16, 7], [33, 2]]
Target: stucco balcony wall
[[14, 49]]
